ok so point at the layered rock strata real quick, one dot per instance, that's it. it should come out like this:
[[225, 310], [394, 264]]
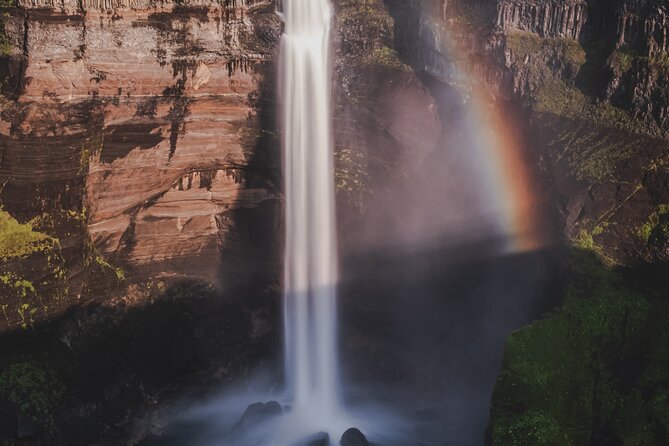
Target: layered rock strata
[[151, 123]]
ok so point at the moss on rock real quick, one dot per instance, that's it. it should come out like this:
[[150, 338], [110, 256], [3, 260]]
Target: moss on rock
[[20, 239], [33, 387], [590, 372], [657, 225]]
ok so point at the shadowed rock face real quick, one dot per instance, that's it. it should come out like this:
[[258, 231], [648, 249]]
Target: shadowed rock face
[[353, 437]]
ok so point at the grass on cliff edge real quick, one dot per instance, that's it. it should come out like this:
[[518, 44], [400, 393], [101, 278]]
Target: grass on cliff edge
[[18, 240], [591, 372], [553, 65]]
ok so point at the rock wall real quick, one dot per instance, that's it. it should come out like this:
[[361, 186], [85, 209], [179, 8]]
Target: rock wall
[[597, 109], [589, 83], [548, 19], [153, 124], [642, 25], [144, 133]]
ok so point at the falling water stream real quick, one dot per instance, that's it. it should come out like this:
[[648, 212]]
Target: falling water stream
[[310, 256], [435, 368]]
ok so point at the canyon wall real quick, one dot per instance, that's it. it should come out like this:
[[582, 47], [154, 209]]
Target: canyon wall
[[141, 139], [139, 149], [140, 219], [596, 100], [136, 135], [590, 78]]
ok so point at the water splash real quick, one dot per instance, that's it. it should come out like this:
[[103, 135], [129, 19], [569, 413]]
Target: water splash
[[310, 274]]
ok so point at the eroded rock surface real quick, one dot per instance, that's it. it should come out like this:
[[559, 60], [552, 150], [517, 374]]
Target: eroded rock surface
[[147, 128]]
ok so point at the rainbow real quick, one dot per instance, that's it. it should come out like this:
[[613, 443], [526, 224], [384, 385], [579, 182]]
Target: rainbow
[[501, 151], [513, 186]]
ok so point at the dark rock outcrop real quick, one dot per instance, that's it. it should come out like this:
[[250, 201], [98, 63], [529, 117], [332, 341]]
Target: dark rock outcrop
[[257, 414], [353, 437]]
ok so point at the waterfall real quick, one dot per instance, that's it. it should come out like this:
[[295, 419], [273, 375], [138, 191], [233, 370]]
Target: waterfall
[[310, 275]]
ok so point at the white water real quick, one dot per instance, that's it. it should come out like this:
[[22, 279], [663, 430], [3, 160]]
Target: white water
[[310, 276]]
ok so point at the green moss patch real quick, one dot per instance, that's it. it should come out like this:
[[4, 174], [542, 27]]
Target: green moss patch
[[387, 58], [35, 279], [592, 153], [657, 224], [19, 240], [527, 46], [365, 29], [6, 47], [592, 372], [33, 387]]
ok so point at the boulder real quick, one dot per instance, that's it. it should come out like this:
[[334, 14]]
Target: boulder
[[353, 437], [257, 414]]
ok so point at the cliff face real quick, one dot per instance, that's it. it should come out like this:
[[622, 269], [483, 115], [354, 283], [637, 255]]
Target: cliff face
[[589, 76], [139, 148], [592, 85], [139, 163], [137, 135], [139, 193], [142, 138]]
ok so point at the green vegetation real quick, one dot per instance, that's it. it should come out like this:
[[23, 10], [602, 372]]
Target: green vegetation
[[364, 28], [592, 372], [5, 44], [19, 240], [33, 387], [661, 61], [528, 45], [474, 16], [585, 239], [27, 296], [556, 96], [554, 64], [623, 59], [387, 58], [25, 287], [656, 225], [593, 153], [93, 258]]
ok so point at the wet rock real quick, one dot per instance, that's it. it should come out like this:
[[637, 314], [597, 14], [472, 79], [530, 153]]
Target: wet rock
[[252, 429], [257, 414], [353, 437], [25, 426]]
